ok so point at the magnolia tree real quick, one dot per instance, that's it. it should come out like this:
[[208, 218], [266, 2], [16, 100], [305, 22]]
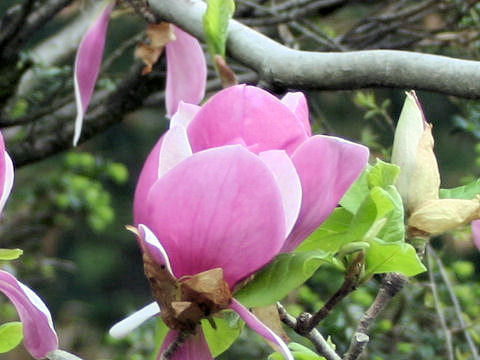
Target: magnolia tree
[[240, 203]]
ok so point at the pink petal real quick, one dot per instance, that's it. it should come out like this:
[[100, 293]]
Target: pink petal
[[288, 181], [327, 167], [218, 208], [297, 103], [476, 233], [194, 348], [6, 174], [39, 335], [175, 149], [186, 71], [260, 328], [249, 113], [184, 114], [130, 323], [87, 64], [154, 248], [148, 176]]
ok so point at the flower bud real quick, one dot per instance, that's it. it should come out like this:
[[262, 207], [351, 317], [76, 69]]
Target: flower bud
[[437, 216]]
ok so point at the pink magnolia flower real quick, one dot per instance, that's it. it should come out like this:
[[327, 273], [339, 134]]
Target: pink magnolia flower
[[40, 338], [229, 186], [186, 67]]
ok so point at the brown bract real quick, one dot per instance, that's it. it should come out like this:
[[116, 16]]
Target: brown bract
[[186, 301], [159, 35]]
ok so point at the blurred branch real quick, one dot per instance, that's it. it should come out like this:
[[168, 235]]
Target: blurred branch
[[458, 310], [321, 345], [297, 12], [279, 65], [438, 308], [54, 132], [392, 283]]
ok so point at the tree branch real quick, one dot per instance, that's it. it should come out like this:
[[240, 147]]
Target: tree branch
[[53, 133], [392, 283], [321, 345], [279, 65]]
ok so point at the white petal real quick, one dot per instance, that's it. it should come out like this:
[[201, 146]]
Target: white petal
[[122, 328], [175, 148]]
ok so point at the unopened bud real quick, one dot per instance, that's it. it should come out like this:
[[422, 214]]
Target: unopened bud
[[437, 216]]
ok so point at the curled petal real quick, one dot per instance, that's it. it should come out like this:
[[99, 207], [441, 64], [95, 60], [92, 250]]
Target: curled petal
[[288, 181], [186, 71], [209, 212], [250, 113], [154, 248], [194, 348], [175, 149], [6, 174], [327, 167], [297, 103], [124, 327], [87, 64], [40, 337], [260, 328]]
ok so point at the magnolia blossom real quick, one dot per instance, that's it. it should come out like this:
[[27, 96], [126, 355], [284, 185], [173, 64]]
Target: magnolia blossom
[[186, 67], [228, 187], [40, 338]]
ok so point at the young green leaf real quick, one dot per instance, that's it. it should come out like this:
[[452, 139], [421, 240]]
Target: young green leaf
[[357, 192], [384, 257], [10, 254], [383, 174], [285, 273], [300, 352], [215, 24], [228, 329], [11, 334], [331, 235], [466, 192], [376, 207], [394, 229]]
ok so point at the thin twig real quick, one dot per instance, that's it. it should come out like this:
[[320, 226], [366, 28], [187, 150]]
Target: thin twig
[[438, 308], [392, 283], [456, 303], [321, 345], [305, 324]]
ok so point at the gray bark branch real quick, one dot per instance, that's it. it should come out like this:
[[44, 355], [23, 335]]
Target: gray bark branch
[[281, 66]]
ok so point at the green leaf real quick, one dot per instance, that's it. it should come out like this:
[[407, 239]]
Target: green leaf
[[394, 229], [10, 254], [371, 214], [466, 192], [285, 273], [330, 236], [11, 334], [299, 352], [228, 329], [357, 192], [383, 174], [215, 24], [383, 257], [161, 331]]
